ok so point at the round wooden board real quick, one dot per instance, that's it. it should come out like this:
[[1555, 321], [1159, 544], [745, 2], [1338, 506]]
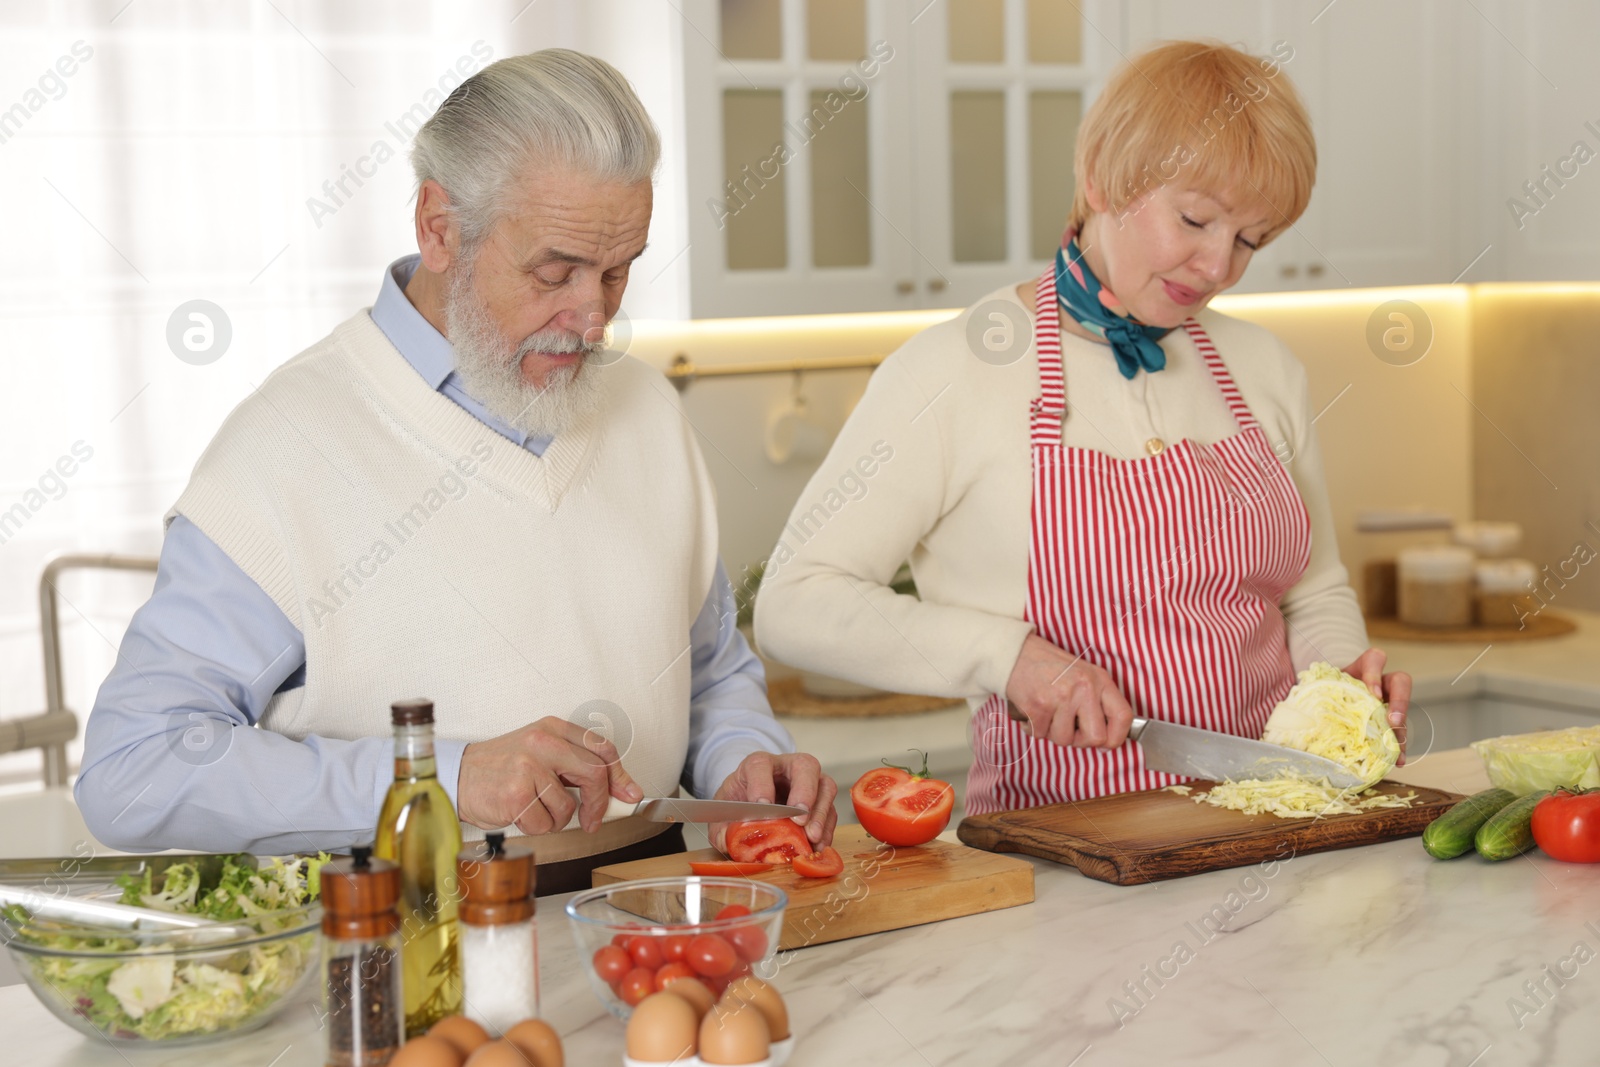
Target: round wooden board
[[789, 697], [1544, 624]]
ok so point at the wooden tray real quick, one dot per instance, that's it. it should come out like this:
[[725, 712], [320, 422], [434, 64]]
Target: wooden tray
[[1544, 624], [789, 697], [1133, 838], [882, 888]]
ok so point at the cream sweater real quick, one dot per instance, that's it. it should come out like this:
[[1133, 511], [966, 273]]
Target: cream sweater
[[422, 554], [934, 467]]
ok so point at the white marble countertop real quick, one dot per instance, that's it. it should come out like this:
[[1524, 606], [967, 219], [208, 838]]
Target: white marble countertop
[[1374, 954]]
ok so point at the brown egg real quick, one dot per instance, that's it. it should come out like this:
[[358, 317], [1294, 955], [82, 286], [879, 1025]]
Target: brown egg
[[695, 992], [540, 1043], [461, 1032], [662, 1029], [427, 1052], [497, 1054], [763, 998], [734, 1032]]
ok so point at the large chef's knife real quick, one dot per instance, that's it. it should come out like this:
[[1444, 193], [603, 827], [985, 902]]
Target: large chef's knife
[[1216, 757]]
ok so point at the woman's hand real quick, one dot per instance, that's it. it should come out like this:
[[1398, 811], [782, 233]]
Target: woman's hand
[[1067, 699], [1393, 688]]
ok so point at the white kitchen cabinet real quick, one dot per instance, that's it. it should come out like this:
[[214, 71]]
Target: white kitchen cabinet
[[856, 155], [1534, 111]]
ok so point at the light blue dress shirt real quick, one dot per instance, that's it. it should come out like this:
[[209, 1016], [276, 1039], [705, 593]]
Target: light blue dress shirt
[[171, 760]]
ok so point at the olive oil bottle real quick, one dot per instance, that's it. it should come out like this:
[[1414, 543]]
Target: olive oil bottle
[[418, 831]]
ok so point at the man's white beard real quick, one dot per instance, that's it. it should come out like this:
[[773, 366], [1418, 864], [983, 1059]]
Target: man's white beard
[[491, 369]]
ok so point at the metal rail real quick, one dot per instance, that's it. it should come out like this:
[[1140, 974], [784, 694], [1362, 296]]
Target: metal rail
[[53, 729], [684, 370]]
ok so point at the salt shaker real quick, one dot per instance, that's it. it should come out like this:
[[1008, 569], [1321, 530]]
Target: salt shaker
[[499, 934], [361, 960]]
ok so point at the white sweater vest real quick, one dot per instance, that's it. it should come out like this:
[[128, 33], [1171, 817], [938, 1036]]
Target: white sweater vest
[[423, 554]]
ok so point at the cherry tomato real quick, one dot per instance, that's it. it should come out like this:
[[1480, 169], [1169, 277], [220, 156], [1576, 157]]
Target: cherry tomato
[[824, 864], [1566, 825], [730, 868], [901, 808], [669, 971], [711, 956], [636, 985], [767, 841], [621, 940], [750, 942], [673, 946], [645, 952], [733, 911], [611, 963]]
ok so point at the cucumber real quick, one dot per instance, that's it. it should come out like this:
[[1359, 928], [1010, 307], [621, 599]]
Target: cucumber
[[1451, 834], [1509, 833]]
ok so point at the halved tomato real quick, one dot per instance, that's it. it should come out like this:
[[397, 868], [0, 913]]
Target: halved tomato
[[729, 868], [767, 841], [900, 808], [824, 864]]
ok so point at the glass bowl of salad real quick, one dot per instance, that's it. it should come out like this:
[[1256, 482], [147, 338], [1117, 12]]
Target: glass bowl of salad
[[165, 987]]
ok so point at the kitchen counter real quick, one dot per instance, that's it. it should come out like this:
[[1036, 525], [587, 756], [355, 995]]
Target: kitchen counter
[[1375, 954]]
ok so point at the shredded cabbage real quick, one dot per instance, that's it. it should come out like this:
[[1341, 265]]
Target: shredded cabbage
[[1298, 798], [1530, 763], [1333, 714]]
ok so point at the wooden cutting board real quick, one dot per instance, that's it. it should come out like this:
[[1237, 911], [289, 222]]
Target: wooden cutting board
[[1133, 838], [881, 888]]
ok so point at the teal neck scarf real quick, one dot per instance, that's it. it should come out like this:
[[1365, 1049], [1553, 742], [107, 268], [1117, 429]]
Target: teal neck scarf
[[1093, 307]]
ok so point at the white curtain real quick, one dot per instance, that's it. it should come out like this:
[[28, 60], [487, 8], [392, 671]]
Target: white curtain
[[246, 153]]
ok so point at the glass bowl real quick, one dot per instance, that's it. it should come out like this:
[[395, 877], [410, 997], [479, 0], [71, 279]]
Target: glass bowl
[[678, 919], [169, 987]]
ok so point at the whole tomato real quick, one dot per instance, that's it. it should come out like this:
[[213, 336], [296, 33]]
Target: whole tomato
[[1566, 825]]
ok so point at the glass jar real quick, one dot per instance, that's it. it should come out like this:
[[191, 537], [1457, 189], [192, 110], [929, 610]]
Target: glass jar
[[499, 936], [1437, 586], [1504, 591], [362, 1000]]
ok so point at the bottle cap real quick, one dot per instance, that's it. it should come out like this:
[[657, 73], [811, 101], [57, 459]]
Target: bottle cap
[[411, 713], [497, 882], [359, 896]]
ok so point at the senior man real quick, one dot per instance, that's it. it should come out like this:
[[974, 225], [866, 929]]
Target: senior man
[[455, 495]]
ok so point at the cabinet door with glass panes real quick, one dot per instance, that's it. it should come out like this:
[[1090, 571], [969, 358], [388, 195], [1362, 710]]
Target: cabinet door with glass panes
[[864, 155], [1001, 86], [797, 126]]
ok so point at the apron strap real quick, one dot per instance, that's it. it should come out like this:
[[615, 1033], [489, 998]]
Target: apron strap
[[1219, 371]]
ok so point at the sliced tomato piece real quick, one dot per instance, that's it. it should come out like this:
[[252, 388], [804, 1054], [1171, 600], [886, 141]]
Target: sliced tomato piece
[[900, 808], [767, 841], [730, 868], [824, 864]]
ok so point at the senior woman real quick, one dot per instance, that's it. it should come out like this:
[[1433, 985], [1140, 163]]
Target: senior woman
[[1124, 513]]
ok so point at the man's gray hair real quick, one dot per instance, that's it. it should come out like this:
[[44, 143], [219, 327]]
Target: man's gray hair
[[554, 108]]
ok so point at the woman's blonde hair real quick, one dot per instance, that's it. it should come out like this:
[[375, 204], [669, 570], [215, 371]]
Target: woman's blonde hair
[[1204, 115]]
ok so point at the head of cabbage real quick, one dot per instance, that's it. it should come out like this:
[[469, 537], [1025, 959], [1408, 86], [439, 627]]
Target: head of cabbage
[[1333, 714], [1531, 763]]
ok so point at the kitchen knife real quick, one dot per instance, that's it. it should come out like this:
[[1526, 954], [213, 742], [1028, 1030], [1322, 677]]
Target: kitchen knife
[[688, 809], [1222, 757]]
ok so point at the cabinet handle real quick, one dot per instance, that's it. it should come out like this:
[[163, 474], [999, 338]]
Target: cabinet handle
[[1289, 270], [936, 285], [905, 285], [1315, 270]]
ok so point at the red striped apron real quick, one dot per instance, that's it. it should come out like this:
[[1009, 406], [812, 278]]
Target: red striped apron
[[1165, 570]]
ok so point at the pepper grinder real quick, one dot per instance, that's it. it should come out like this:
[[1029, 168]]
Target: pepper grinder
[[361, 960], [499, 934]]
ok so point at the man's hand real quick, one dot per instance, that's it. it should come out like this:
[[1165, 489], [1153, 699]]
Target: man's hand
[[1066, 698], [520, 778], [770, 778], [1393, 688]]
